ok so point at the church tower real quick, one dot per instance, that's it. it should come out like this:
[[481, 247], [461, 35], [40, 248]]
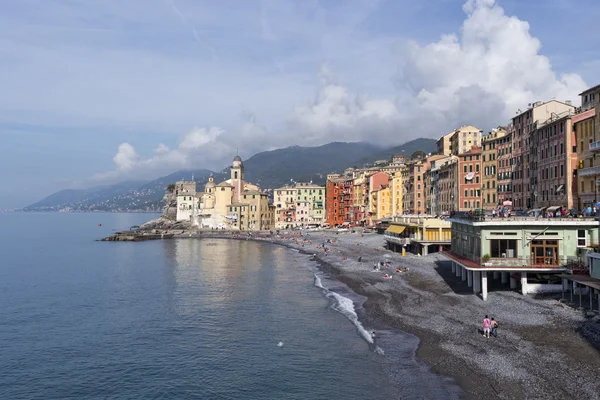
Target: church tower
[[237, 177], [237, 169]]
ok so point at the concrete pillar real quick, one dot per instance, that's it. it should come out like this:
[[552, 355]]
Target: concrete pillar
[[504, 277], [598, 300], [453, 267], [524, 282], [513, 282], [484, 285], [458, 268], [591, 293], [476, 282], [470, 278], [463, 274], [496, 275], [441, 248], [425, 249]]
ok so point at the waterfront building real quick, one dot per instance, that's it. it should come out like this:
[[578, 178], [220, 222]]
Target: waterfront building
[[553, 159], [396, 187], [464, 138], [339, 200], [315, 196], [489, 161], [469, 180], [435, 185], [444, 145], [420, 234], [505, 167], [284, 200], [447, 194], [518, 250], [232, 204], [523, 124], [376, 182], [383, 203], [586, 125]]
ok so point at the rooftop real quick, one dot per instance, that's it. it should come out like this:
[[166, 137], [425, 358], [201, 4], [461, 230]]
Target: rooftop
[[590, 89], [486, 220]]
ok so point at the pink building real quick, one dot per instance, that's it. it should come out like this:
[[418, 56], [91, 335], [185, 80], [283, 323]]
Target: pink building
[[303, 213]]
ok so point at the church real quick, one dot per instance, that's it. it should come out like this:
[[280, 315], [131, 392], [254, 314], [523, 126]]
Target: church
[[233, 204]]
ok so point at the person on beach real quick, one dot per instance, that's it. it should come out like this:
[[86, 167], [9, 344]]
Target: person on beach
[[359, 259], [494, 327], [486, 327]]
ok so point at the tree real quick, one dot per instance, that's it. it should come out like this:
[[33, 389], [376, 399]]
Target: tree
[[171, 188], [418, 154]]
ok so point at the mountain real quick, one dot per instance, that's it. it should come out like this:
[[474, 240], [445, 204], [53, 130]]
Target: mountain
[[406, 149], [303, 164], [268, 169]]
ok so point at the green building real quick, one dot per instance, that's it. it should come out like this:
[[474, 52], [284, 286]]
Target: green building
[[519, 248]]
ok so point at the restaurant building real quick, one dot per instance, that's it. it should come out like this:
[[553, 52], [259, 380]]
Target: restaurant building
[[518, 249]]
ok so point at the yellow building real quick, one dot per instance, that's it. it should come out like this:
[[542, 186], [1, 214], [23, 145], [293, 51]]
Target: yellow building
[[586, 125], [419, 234], [464, 138], [232, 204], [489, 160], [383, 203], [396, 188]]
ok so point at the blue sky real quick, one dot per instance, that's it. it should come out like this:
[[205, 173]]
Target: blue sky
[[95, 91]]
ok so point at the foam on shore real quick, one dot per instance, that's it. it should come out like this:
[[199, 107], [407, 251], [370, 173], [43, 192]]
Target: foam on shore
[[345, 306]]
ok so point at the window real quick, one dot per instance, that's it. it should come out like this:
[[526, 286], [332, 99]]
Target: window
[[581, 238], [464, 169], [503, 248], [466, 193], [477, 168], [465, 204]]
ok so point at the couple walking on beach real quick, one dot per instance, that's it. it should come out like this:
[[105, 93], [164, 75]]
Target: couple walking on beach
[[490, 326]]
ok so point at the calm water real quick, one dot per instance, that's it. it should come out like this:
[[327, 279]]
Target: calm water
[[184, 319]]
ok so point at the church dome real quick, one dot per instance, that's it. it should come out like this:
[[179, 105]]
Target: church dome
[[210, 183], [237, 158]]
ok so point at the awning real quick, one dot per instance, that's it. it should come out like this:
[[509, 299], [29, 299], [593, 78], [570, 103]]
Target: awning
[[395, 229], [552, 209]]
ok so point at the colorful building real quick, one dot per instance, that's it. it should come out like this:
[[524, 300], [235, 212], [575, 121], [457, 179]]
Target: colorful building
[[586, 125], [489, 161], [469, 180], [519, 250]]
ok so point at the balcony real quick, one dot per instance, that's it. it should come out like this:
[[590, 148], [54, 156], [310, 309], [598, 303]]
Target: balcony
[[595, 146], [589, 171]]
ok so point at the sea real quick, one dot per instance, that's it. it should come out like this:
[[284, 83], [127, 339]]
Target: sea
[[185, 319]]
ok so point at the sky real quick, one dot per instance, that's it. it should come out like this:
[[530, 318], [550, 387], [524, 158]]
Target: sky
[[96, 92]]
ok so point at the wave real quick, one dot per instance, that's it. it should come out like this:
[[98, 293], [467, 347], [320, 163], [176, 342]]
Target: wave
[[345, 306]]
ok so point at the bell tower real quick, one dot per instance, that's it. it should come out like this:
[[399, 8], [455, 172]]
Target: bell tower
[[237, 178], [237, 169]]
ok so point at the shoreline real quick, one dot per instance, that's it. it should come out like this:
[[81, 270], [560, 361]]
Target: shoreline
[[541, 351]]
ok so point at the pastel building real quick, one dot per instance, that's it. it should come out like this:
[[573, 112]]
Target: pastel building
[[586, 125], [489, 161], [232, 204], [469, 180], [522, 253]]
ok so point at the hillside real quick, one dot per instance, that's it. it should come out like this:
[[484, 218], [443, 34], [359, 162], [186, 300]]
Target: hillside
[[268, 169]]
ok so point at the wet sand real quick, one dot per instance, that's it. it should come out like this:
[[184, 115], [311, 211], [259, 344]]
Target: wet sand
[[545, 349]]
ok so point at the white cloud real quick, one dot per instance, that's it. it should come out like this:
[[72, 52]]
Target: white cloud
[[479, 76]]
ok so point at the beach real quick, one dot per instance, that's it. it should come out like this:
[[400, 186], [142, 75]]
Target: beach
[[544, 349]]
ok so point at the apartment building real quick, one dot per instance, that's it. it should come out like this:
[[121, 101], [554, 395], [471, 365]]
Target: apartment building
[[489, 161], [469, 180]]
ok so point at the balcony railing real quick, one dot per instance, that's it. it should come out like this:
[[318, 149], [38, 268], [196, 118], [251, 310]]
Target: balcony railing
[[589, 171], [595, 146]]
